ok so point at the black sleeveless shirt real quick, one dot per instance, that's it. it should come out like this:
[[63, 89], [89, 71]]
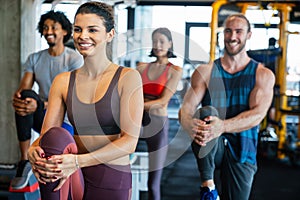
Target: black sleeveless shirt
[[100, 118]]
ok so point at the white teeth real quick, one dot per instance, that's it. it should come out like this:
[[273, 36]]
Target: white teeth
[[50, 36], [85, 45], [233, 43]]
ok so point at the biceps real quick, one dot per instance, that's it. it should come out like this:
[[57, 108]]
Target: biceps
[[131, 109], [56, 108], [261, 98]]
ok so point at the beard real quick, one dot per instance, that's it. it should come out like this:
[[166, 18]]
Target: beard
[[51, 44], [233, 53]]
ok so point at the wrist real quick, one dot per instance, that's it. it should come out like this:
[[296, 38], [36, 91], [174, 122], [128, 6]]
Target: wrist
[[76, 162], [45, 105], [223, 126]]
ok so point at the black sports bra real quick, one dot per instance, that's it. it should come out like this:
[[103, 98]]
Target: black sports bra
[[100, 118]]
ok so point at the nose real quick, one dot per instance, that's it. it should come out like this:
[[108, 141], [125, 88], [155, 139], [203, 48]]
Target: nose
[[49, 30], [233, 35], [156, 45], [83, 34]]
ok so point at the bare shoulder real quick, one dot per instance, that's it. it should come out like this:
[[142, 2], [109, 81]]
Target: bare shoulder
[[141, 66], [130, 73], [62, 79], [175, 71], [202, 72], [176, 68], [264, 73]]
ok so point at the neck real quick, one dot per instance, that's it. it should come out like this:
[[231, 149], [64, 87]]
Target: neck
[[162, 60], [56, 50], [94, 67], [235, 63]]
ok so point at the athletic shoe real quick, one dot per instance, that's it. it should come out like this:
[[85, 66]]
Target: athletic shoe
[[23, 174], [207, 194]]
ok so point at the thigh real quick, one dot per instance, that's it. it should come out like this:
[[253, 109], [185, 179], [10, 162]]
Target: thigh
[[156, 126], [237, 178], [158, 139], [110, 182]]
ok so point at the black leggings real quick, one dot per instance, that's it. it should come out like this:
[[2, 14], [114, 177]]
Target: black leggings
[[155, 133], [33, 121]]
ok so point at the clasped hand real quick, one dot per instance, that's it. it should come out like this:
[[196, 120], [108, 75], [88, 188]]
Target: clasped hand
[[24, 107], [203, 132], [53, 168]]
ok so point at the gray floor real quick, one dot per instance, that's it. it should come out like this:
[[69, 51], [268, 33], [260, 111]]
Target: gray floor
[[275, 180]]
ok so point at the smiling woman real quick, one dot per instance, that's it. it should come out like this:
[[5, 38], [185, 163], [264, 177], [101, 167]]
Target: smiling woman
[[104, 103]]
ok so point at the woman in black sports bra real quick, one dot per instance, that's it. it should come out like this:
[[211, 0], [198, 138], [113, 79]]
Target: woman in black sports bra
[[104, 103]]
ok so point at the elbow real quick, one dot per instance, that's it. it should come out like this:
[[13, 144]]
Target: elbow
[[259, 119], [131, 146], [179, 116]]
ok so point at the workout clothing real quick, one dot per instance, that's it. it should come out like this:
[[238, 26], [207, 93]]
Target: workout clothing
[[107, 182], [233, 153], [102, 117], [155, 134], [234, 180], [58, 141], [232, 99], [155, 87], [34, 121], [45, 67]]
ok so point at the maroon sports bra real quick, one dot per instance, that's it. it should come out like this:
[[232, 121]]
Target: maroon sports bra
[[100, 118]]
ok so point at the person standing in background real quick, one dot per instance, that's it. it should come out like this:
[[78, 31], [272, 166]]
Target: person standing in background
[[160, 80], [41, 67]]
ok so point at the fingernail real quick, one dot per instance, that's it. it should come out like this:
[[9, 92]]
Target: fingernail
[[43, 155], [48, 158]]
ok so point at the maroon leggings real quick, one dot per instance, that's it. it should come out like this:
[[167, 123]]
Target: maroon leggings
[[105, 182]]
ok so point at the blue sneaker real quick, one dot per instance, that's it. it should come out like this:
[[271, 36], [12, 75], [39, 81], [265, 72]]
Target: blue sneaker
[[207, 194]]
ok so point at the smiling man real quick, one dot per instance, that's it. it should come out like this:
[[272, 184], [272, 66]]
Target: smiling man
[[41, 67], [241, 89]]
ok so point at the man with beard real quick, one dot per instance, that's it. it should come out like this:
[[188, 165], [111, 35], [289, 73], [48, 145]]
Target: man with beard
[[241, 90], [41, 68]]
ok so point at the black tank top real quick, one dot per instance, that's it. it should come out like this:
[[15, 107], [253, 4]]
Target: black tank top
[[100, 118]]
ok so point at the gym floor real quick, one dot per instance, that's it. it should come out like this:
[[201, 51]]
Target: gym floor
[[275, 180]]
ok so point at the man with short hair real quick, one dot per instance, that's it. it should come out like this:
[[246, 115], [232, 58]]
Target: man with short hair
[[241, 90]]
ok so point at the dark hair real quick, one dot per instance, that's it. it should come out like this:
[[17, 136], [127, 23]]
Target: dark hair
[[272, 42], [104, 11], [242, 16], [167, 33], [59, 17]]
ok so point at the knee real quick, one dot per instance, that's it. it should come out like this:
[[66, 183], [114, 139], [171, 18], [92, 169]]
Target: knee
[[24, 136], [56, 136], [29, 94]]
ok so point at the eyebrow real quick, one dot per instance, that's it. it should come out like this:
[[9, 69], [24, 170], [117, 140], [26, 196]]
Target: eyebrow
[[92, 26]]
